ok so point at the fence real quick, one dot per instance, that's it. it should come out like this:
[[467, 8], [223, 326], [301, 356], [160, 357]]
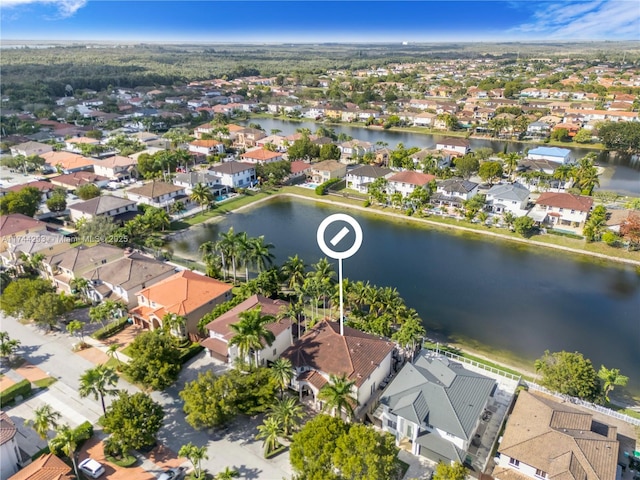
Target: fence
[[582, 403], [488, 368]]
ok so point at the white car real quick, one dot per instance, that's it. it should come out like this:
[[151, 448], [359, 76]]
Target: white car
[[173, 474], [91, 468]]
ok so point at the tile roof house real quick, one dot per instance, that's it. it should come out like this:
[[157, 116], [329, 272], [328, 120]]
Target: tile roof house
[[119, 209], [30, 148], [47, 467], [322, 351], [562, 210], [185, 293], [157, 194], [407, 181], [323, 171], [457, 145], [547, 439], [508, 197], [246, 137], [454, 191], [10, 458], [123, 278], [68, 162], [115, 168], [206, 147], [361, 177], [17, 225], [436, 405], [235, 174], [261, 155], [46, 188], [220, 333], [44, 242], [73, 180]]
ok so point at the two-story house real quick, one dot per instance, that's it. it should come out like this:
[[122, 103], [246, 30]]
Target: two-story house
[[261, 155], [434, 406], [27, 149], [352, 149], [41, 242], [119, 209], [323, 171], [189, 180], [235, 174], [115, 168], [206, 147], [247, 137], [454, 191], [508, 197], [361, 177], [406, 182], [220, 333], [18, 225], [157, 194], [545, 439], [186, 293], [452, 144], [553, 154], [10, 457], [562, 210], [71, 181]]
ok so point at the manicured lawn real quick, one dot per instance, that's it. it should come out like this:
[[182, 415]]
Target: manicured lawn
[[45, 382]]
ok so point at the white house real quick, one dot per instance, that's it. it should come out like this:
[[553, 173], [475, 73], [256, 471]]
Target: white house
[[327, 170], [235, 174], [508, 197], [115, 168], [562, 210], [454, 191], [119, 209], [206, 147], [407, 181], [458, 145], [10, 458], [361, 177], [355, 148], [553, 154], [156, 194], [189, 180], [217, 344]]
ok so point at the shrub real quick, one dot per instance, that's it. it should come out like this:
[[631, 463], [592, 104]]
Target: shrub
[[189, 352], [84, 432], [111, 329], [323, 187], [22, 388]]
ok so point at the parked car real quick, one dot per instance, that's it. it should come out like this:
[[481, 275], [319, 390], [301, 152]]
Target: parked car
[[91, 468], [173, 474]]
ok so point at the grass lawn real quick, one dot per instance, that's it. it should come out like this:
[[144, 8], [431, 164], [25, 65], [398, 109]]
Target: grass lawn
[[45, 382], [402, 468]]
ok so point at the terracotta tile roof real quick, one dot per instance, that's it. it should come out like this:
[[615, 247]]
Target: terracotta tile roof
[[77, 179], [617, 217], [216, 345], [8, 429], [560, 440], [85, 140], [17, 222], [39, 184], [66, 160], [115, 161], [412, 178], [261, 154], [234, 128], [205, 143], [154, 189], [184, 292], [47, 467], [566, 200], [328, 166], [356, 354], [298, 166], [314, 378], [268, 307]]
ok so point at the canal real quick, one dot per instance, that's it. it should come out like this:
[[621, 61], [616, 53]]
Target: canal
[[620, 174], [506, 297]]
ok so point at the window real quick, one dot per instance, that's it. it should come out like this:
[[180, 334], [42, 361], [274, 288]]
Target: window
[[541, 473], [275, 352], [561, 210], [392, 425], [573, 211], [514, 462]]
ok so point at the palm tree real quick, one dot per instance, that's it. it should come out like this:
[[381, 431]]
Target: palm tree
[[269, 431], [201, 194], [195, 455], [564, 173], [251, 332], [81, 286], [230, 244], [174, 324], [45, 419], [287, 413], [260, 253], [338, 396], [511, 163], [227, 474], [8, 346], [509, 218], [112, 352], [411, 332], [294, 271], [323, 269], [96, 382], [282, 372], [610, 379], [67, 442]]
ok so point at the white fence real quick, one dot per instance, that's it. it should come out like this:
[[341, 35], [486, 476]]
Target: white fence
[[480, 365]]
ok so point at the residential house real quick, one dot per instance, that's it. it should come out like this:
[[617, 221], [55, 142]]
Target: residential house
[[538, 129], [206, 147], [617, 217], [123, 278], [361, 177], [434, 406], [300, 169], [45, 188], [323, 171], [186, 293], [41, 242], [157, 194], [191, 179], [562, 210], [277, 140], [28, 149], [117, 208], [247, 137], [116, 168], [545, 439], [424, 119], [46, 467], [355, 148], [363, 358], [18, 225], [508, 197], [407, 181], [63, 267], [220, 333], [553, 154], [235, 174], [67, 162], [452, 144], [71, 181], [433, 158], [261, 155], [10, 457], [73, 144], [454, 191]]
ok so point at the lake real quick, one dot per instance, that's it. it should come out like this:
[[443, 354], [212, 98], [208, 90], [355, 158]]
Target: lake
[[620, 175], [503, 295]]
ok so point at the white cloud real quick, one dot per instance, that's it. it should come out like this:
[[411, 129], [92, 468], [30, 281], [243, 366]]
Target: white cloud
[[66, 8], [592, 20]]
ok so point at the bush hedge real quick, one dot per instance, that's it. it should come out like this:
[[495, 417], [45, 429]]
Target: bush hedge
[[82, 433], [22, 388], [110, 329], [565, 234], [189, 352], [323, 187]]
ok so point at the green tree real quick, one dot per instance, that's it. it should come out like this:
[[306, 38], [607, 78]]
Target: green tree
[[8, 346], [282, 372], [98, 229], [583, 136], [250, 333], [288, 413], [24, 201], [112, 352], [303, 149], [312, 448], [443, 471], [523, 226], [227, 474], [20, 298], [201, 194], [88, 191], [568, 373], [337, 396], [269, 431], [620, 136], [57, 202], [610, 379], [45, 418], [377, 190], [106, 312], [411, 332], [98, 382], [560, 135], [174, 324], [75, 326], [466, 166], [195, 455], [294, 270], [330, 151], [49, 308], [596, 224], [209, 401], [472, 206], [66, 441], [490, 171], [133, 420], [155, 360]]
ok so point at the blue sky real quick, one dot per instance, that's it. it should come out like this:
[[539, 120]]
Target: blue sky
[[319, 21]]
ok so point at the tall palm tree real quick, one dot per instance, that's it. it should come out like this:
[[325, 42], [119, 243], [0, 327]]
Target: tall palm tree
[[610, 379], [294, 270], [195, 455], [269, 431], [45, 419], [67, 442], [174, 324], [8, 346], [337, 396], [282, 372], [201, 194], [250, 333], [260, 253], [227, 474], [96, 382], [288, 413], [112, 352], [229, 246], [511, 163], [323, 269]]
